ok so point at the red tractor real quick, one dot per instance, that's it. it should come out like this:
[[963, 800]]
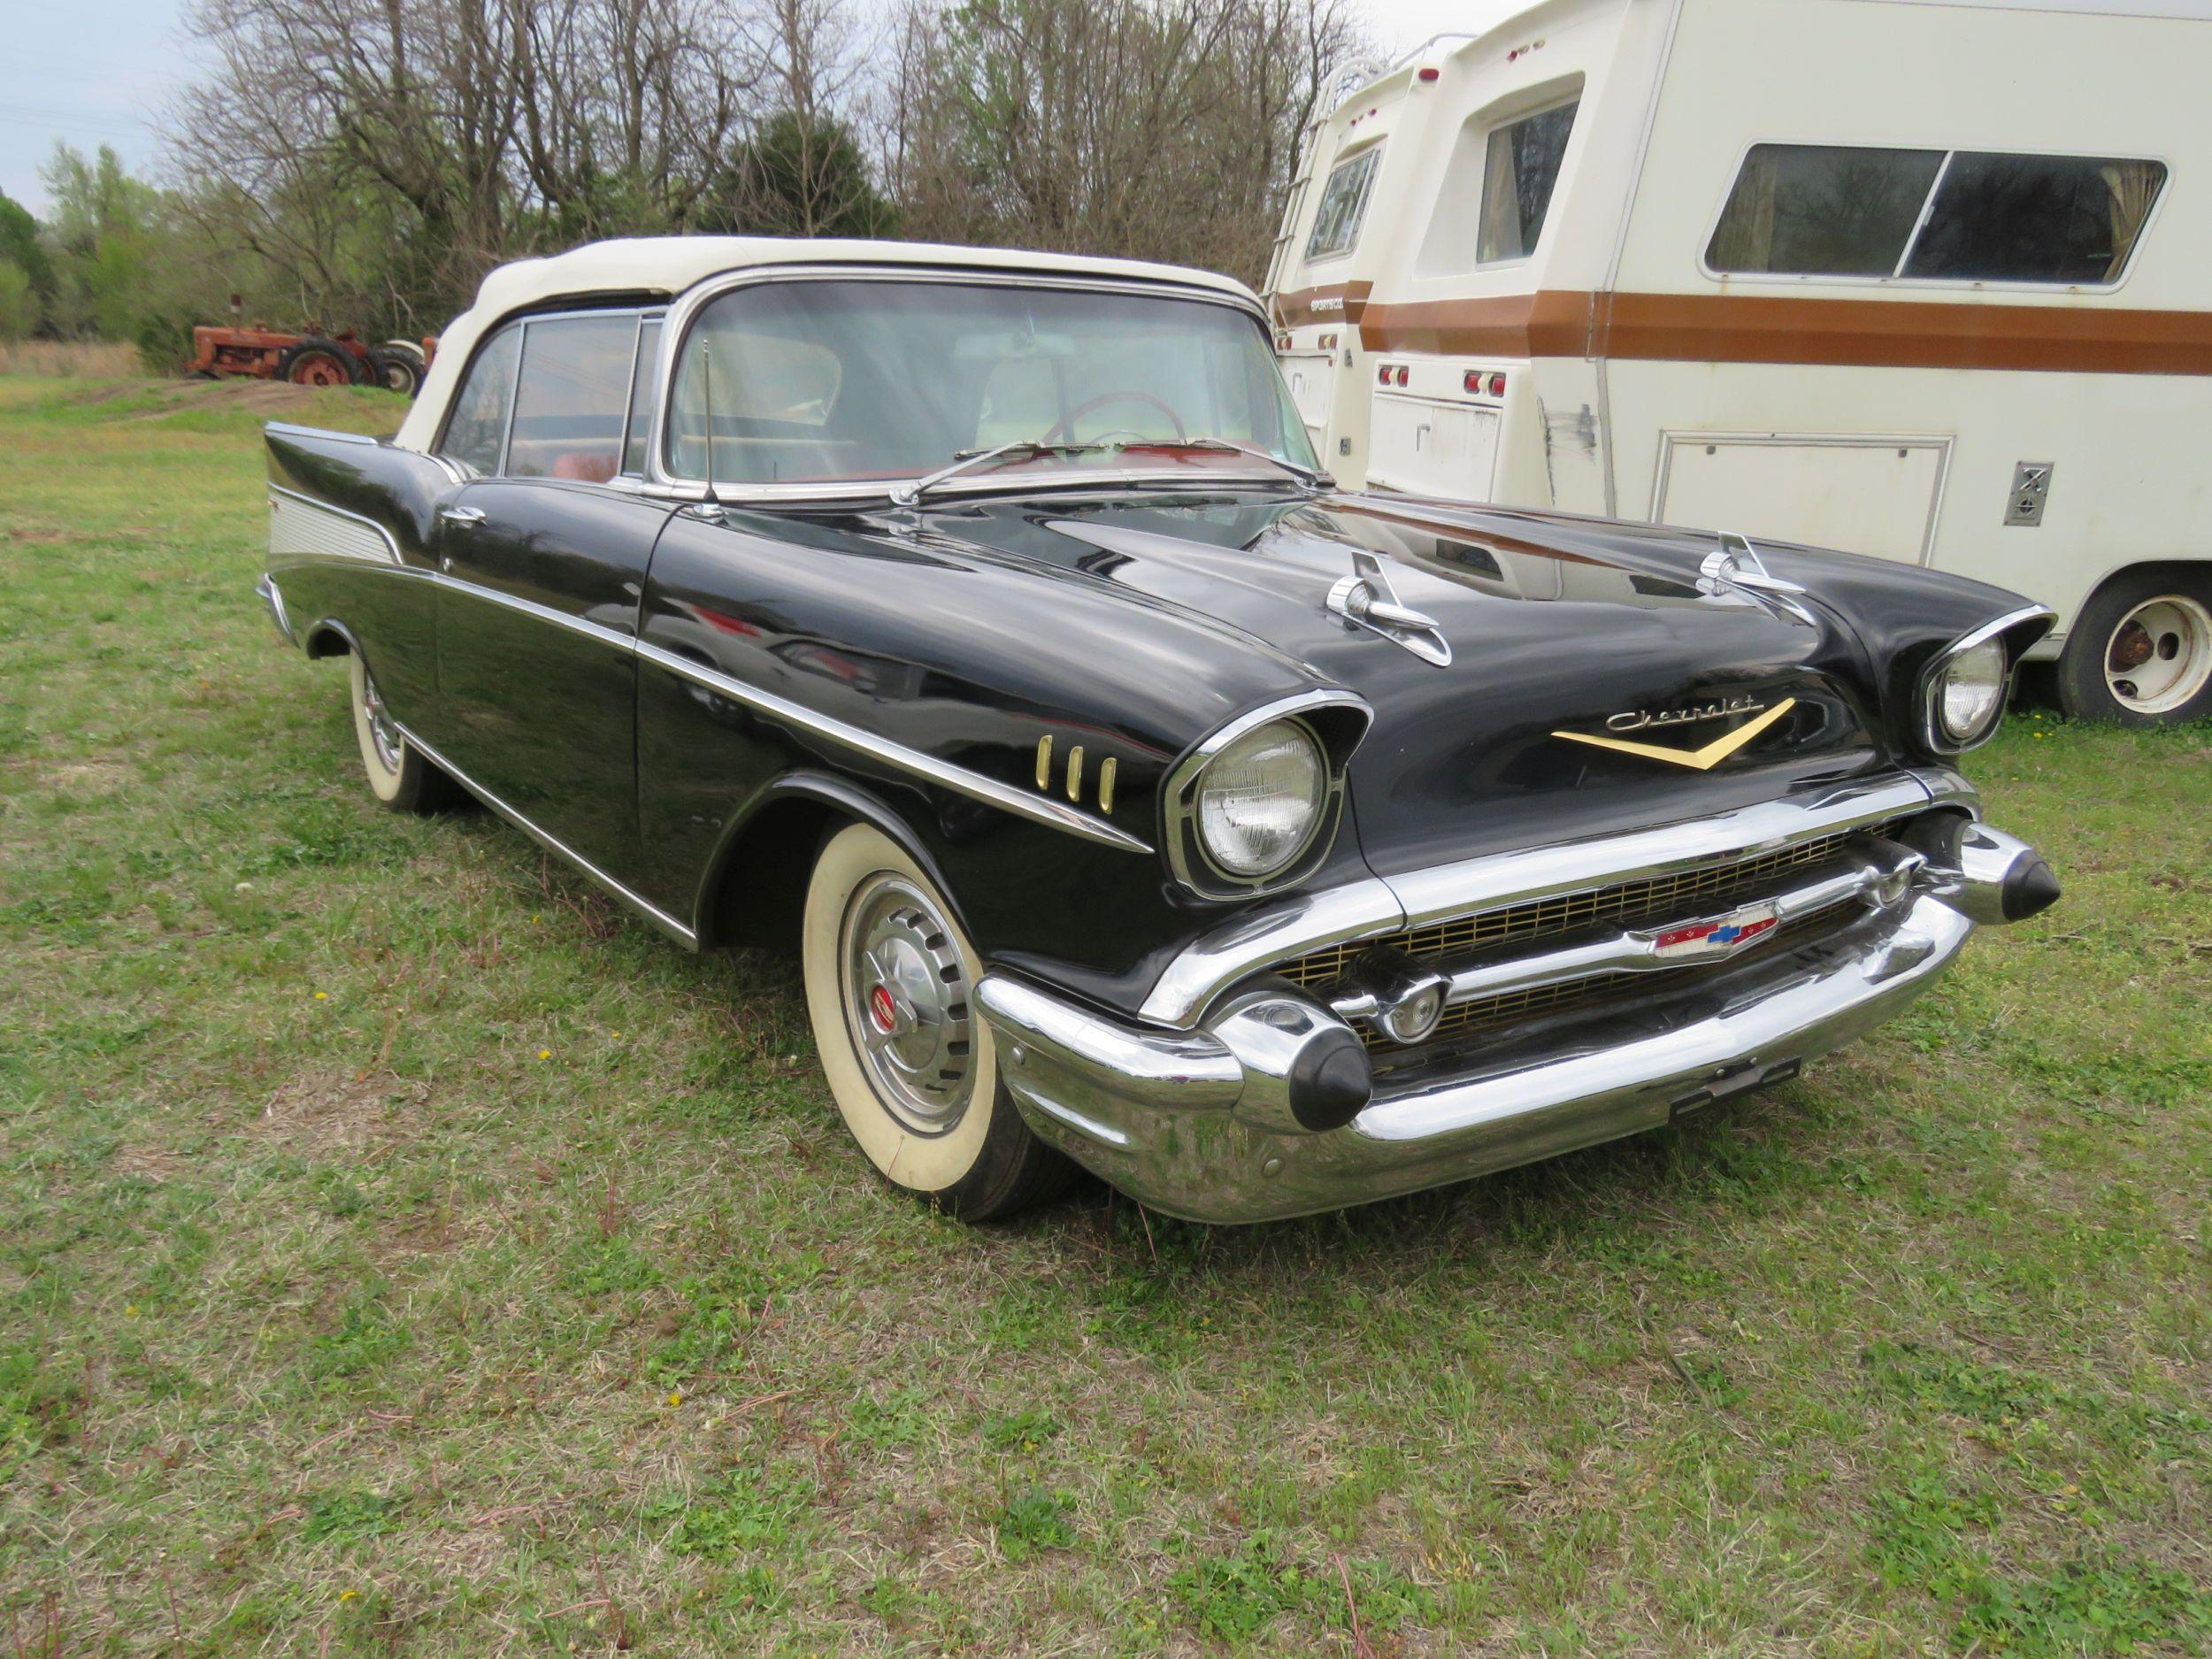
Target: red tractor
[[311, 359]]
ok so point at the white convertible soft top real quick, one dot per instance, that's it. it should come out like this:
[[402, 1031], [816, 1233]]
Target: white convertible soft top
[[669, 265]]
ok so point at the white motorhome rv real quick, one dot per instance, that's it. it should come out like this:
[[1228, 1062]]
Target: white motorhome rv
[[1929, 279]]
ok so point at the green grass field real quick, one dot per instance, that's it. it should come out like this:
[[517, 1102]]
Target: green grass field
[[403, 1251]]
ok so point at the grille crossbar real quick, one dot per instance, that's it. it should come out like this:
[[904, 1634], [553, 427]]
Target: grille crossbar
[[1677, 896]]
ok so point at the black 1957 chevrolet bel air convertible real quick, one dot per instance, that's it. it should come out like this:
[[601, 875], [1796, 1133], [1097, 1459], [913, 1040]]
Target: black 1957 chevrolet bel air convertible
[[982, 624]]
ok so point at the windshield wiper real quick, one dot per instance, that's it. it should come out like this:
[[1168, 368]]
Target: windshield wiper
[[1312, 475], [910, 494]]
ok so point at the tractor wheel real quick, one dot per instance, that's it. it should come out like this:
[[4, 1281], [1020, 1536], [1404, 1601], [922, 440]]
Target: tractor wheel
[[318, 362], [395, 371]]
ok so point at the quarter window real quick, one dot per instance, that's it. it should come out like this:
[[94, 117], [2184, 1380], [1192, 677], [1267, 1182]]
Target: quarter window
[[1336, 222], [476, 433], [573, 397], [1520, 167], [1812, 210]]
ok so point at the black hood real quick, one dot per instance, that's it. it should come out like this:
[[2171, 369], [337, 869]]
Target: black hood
[[1555, 625]]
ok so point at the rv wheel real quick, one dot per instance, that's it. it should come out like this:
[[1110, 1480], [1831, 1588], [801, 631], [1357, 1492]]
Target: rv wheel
[[2140, 653]]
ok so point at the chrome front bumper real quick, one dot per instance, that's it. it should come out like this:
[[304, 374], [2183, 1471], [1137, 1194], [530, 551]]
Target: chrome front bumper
[[1200, 1122]]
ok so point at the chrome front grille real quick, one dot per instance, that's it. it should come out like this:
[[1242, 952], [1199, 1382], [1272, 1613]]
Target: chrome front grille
[[1680, 895], [1538, 924], [1464, 1019]]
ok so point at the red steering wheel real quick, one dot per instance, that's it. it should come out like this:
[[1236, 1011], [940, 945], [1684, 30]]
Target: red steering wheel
[[1066, 427]]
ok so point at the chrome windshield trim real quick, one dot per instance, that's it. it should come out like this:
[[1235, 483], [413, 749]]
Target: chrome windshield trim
[[1023, 804], [1375, 905], [684, 311], [645, 907]]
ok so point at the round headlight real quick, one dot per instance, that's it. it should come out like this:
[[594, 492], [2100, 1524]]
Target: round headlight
[[1260, 799], [1970, 693]]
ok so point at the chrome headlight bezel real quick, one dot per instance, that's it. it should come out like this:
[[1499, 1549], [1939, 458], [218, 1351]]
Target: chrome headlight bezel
[[1933, 731], [1333, 722]]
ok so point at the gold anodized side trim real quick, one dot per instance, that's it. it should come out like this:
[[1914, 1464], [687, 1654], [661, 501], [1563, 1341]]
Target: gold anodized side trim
[[1106, 786], [1075, 772], [1044, 760], [1697, 759]]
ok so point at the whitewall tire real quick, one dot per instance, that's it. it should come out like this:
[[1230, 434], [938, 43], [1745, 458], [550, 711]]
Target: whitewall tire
[[400, 777], [890, 984]]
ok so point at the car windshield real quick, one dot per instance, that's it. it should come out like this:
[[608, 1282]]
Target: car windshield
[[834, 380]]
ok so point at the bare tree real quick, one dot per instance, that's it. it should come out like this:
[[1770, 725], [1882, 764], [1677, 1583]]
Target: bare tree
[[1162, 130]]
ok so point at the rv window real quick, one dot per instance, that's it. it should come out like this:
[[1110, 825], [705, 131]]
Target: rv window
[[2035, 219], [1519, 169], [1336, 222], [1823, 209]]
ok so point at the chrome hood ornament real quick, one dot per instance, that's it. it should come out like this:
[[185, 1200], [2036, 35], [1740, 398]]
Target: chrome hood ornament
[[1366, 599], [1736, 568]]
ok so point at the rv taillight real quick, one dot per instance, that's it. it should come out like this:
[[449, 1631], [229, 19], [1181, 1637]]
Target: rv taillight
[[1497, 386], [1430, 75], [1401, 374], [1471, 380], [1382, 375]]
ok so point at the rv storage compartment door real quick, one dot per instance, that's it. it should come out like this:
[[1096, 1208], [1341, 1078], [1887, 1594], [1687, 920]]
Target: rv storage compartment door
[[1312, 376], [1428, 448], [1859, 493]]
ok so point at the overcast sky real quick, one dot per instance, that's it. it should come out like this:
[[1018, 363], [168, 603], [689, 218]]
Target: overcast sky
[[97, 73]]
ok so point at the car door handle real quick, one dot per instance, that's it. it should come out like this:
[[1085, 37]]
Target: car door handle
[[461, 517]]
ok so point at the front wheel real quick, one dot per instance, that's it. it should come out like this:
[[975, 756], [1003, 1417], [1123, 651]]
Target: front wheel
[[2140, 652], [401, 777], [890, 986]]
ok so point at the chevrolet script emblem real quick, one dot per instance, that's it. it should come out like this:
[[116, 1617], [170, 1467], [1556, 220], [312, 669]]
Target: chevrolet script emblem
[[1698, 760]]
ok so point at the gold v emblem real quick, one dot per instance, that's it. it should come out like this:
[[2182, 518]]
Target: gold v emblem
[[1699, 759]]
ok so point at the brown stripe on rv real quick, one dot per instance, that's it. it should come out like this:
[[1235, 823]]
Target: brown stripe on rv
[[1346, 304], [2089, 338]]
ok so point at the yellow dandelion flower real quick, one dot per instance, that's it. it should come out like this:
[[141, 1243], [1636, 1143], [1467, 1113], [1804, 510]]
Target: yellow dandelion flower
[[675, 1398], [322, 996], [348, 1595], [545, 1054], [132, 1310]]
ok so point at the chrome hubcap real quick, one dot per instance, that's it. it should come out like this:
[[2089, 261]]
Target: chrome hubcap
[[906, 1004], [390, 746], [2161, 655]]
